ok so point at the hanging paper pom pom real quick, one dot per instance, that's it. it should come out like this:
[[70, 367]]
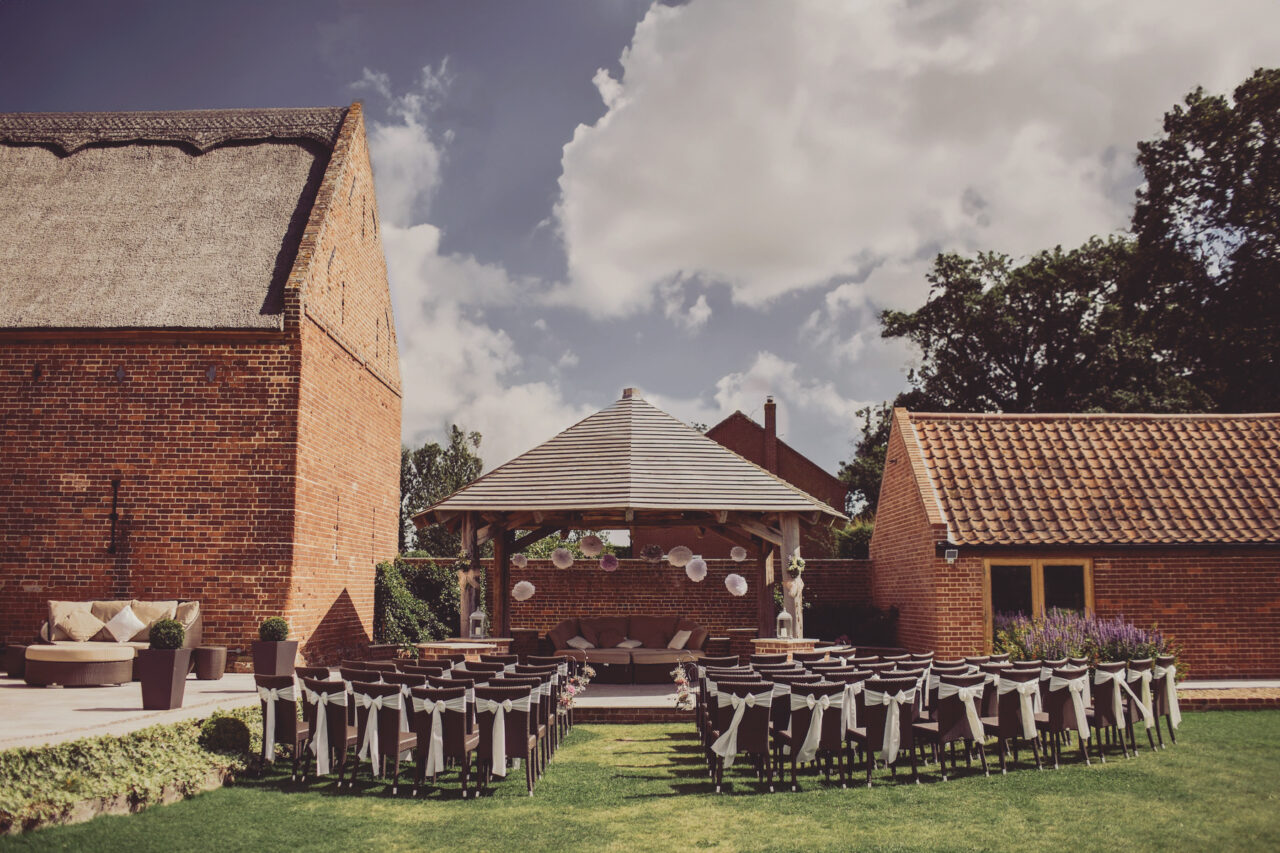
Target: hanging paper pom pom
[[652, 553], [696, 570], [679, 556], [522, 591], [592, 546], [738, 553], [736, 584], [519, 560], [561, 558], [609, 562]]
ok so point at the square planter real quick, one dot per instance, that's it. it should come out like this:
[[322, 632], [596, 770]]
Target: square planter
[[274, 657], [163, 673]]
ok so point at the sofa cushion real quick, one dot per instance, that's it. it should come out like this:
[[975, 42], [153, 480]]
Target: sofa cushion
[[629, 644], [78, 625], [82, 652], [150, 612], [604, 631], [579, 643], [697, 634], [125, 625], [106, 611], [186, 613], [59, 609], [560, 634], [680, 640], [663, 655], [608, 655], [653, 632]]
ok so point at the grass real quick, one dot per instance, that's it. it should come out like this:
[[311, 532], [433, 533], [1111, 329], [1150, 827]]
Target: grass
[[643, 788]]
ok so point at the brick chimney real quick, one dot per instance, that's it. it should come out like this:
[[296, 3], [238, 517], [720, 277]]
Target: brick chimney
[[770, 435]]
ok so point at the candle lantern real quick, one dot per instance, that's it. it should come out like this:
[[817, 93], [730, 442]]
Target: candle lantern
[[784, 625], [479, 624]]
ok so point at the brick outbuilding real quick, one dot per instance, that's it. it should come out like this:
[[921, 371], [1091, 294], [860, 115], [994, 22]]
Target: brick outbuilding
[[199, 385], [1171, 520]]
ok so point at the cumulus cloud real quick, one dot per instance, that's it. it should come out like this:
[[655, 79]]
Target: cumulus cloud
[[771, 147]]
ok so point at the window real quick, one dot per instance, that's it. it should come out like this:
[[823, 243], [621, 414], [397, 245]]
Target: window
[[1033, 586]]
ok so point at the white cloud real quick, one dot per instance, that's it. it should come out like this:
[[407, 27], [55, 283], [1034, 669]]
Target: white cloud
[[770, 147], [455, 367], [798, 395]]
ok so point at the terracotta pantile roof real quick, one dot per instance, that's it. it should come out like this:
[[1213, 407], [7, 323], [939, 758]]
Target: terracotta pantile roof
[[1100, 479]]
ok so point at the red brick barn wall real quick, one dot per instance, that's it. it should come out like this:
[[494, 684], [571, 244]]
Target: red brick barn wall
[[1222, 605], [906, 572], [349, 410], [200, 431]]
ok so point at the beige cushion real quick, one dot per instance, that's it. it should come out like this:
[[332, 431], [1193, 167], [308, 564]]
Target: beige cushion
[[125, 625], [579, 643], [59, 609], [82, 652], [679, 640], [608, 655], [561, 633], [698, 634], [78, 625], [629, 644], [186, 614], [662, 655], [106, 611], [151, 611]]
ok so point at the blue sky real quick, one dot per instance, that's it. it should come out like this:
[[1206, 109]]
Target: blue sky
[[711, 201]]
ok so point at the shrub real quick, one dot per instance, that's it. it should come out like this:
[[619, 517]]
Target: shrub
[[223, 733], [1067, 633], [402, 614], [168, 634], [273, 629]]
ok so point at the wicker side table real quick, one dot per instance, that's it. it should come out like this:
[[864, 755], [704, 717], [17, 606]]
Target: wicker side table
[[211, 662], [15, 661]]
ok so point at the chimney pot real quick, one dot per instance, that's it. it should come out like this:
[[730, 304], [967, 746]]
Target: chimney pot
[[628, 393], [770, 435]]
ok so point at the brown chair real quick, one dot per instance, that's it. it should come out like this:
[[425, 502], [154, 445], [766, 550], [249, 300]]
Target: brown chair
[[767, 659], [1141, 705], [990, 699], [320, 673], [955, 718], [425, 668], [1164, 696], [808, 657], [881, 695], [558, 717], [863, 660], [516, 723], [897, 657], [339, 736], [349, 675], [568, 666], [382, 665], [476, 675], [1011, 723], [752, 733], [1000, 657], [542, 725], [807, 701], [482, 666], [280, 723], [380, 732], [443, 711], [1107, 715], [921, 657], [977, 660], [1064, 710], [505, 660]]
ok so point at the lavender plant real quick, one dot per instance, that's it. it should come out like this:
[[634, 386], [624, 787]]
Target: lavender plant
[[1068, 633]]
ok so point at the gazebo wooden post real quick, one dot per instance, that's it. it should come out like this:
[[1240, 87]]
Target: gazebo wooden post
[[467, 580], [500, 583], [793, 589], [764, 591]]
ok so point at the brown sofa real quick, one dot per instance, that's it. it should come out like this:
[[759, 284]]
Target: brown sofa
[[649, 663], [82, 654]]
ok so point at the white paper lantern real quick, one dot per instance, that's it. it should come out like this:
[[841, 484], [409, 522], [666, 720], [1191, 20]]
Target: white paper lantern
[[522, 591], [736, 584], [679, 556], [696, 570], [519, 560], [738, 553], [562, 558], [592, 546], [652, 553], [609, 563]]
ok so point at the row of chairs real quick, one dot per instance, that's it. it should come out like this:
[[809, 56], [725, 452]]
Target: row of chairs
[[825, 709], [439, 714]]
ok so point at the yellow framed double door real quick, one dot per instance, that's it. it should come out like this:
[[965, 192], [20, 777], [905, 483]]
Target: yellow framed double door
[[1032, 587]]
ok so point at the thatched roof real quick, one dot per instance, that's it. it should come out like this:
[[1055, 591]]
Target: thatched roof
[[185, 220]]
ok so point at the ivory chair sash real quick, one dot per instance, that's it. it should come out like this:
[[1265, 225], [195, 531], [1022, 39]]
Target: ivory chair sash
[[499, 711], [1144, 693], [1078, 687], [1119, 682], [892, 741], [269, 696], [369, 746], [320, 741], [1027, 691], [819, 705], [968, 697], [726, 746], [435, 747], [849, 705], [1170, 692]]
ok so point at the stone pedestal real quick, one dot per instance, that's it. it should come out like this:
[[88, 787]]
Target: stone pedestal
[[779, 645], [740, 640], [472, 649]]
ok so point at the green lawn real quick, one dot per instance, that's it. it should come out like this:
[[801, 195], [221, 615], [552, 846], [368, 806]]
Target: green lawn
[[643, 788]]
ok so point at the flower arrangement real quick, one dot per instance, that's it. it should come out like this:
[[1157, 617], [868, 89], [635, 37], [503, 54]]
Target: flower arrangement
[[651, 553], [680, 677], [1068, 633], [576, 685], [796, 566]]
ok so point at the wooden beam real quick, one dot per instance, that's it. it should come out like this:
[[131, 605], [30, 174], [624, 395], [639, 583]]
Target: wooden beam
[[500, 584], [737, 537], [722, 516], [764, 593], [529, 538], [793, 596], [537, 516], [756, 528], [467, 586]]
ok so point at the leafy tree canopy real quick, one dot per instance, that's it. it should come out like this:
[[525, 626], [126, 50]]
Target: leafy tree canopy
[[429, 474]]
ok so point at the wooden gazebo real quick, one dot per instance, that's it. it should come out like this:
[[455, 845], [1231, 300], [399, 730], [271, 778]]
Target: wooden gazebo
[[627, 466]]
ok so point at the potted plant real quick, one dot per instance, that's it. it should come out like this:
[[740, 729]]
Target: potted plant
[[273, 652], [162, 669]]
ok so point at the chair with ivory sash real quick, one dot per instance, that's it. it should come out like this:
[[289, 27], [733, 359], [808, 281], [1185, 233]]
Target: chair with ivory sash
[[740, 714], [553, 686], [280, 723], [1164, 695], [440, 722], [505, 717], [1002, 657], [541, 727], [1107, 716], [705, 703], [318, 672], [806, 658], [565, 667], [380, 727], [990, 699], [331, 734], [380, 665], [425, 668], [1063, 695], [780, 715], [1015, 718], [887, 715], [782, 657], [815, 732], [505, 660], [955, 718], [349, 675], [1139, 704]]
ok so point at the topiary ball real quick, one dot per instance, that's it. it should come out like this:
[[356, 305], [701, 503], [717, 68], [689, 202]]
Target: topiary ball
[[273, 629], [167, 634], [221, 733]]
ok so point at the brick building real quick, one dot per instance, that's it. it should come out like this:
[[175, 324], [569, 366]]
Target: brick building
[[760, 445], [1169, 520], [199, 385]]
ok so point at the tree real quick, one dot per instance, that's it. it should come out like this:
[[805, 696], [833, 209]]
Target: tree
[[862, 473], [428, 475], [1208, 228], [541, 550]]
